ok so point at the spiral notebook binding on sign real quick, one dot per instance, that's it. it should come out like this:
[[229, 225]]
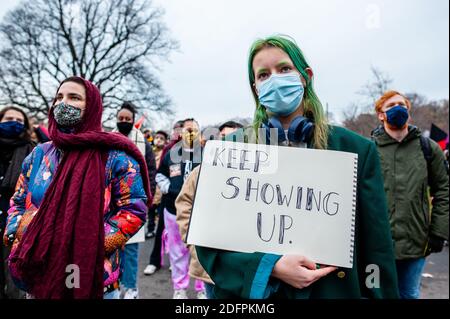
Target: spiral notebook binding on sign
[[352, 228]]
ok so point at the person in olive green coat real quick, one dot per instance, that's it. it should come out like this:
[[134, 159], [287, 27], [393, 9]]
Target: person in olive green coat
[[281, 83], [417, 231]]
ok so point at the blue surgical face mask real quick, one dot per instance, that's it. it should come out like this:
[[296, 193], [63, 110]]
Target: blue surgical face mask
[[397, 116], [11, 129], [281, 94]]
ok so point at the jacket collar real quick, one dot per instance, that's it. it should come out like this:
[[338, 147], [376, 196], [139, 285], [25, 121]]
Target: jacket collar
[[382, 138]]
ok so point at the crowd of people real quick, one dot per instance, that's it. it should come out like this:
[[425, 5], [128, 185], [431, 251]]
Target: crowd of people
[[75, 194]]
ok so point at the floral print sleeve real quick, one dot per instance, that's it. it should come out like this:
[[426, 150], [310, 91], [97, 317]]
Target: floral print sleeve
[[126, 199], [20, 202]]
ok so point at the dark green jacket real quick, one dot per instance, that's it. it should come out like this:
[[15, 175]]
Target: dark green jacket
[[405, 182], [237, 275]]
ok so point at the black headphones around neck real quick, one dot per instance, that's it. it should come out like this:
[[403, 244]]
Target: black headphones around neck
[[300, 130]]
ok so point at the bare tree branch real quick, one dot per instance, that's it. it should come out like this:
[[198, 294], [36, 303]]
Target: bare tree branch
[[374, 88], [113, 43]]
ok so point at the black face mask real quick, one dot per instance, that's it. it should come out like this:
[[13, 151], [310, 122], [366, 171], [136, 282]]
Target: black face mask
[[124, 127]]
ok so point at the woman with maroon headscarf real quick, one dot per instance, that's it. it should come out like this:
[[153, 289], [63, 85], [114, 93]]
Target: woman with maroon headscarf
[[78, 200]]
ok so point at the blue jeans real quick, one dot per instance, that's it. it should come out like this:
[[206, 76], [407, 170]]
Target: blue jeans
[[409, 274], [112, 295], [129, 265]]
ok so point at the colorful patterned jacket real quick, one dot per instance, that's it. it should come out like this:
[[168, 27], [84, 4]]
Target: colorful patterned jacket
[[125, 201]]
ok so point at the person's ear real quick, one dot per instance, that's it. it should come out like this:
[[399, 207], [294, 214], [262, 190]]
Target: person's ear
[[381, 116], [255, 89], [310, 73]]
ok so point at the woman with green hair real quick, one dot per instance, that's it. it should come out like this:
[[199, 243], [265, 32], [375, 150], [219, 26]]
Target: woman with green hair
[[290, 60], [282, 84]]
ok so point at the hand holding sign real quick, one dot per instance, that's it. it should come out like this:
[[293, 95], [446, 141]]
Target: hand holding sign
[[299, 271]]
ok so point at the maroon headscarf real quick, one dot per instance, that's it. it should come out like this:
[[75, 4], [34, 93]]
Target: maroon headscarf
[[68, 228]]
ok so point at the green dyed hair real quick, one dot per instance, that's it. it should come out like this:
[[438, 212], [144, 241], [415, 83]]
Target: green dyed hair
[[312, 108]]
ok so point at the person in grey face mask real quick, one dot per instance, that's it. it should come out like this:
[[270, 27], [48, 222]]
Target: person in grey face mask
[[86, 215]]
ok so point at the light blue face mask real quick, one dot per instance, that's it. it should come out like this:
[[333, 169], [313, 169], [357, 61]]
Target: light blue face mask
[[281, 94]]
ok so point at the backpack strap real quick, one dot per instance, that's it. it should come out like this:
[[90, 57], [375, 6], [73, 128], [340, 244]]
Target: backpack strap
[[425, 144], [375, 132]]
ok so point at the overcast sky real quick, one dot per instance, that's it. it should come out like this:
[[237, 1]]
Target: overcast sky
[[207, 78]]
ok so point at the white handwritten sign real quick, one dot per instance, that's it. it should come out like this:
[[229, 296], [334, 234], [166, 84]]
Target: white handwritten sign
[[139, 237], [280, 200]]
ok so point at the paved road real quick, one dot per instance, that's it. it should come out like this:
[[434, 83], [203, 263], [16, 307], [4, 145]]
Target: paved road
[[158, 285], [435, 282]]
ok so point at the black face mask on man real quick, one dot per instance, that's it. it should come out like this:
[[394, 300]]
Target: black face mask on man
[[124, 127]]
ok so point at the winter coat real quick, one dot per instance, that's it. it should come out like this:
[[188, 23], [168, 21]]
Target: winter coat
[[406, 182]]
